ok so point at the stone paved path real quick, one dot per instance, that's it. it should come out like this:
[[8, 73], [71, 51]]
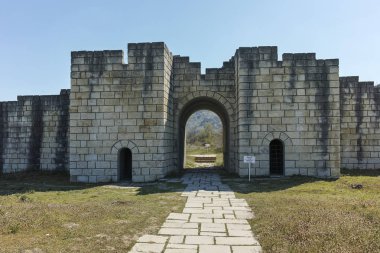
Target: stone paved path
[[213, 220]]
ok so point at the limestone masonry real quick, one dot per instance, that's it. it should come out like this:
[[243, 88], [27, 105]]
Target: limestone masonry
[[127, 121]]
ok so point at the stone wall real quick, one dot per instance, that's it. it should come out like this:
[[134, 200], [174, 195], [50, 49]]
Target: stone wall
[[213, 91], [34, 133], [360, 121], [323, 122], [116, 105], [295, 100]]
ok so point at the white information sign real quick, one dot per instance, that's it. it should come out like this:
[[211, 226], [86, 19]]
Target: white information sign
[[249, 159]]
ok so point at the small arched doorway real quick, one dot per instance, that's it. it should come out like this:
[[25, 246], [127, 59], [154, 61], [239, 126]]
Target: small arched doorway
[[276, 157], [125, 164]]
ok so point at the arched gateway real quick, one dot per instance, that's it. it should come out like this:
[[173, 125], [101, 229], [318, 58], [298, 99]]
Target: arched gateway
[[259, 98], [124, 120], [204, 103]]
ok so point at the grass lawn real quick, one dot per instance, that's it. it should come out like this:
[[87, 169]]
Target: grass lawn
[[45, 213], [300, 214]]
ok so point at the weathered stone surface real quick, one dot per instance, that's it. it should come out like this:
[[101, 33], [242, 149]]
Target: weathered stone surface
[[323, 122]]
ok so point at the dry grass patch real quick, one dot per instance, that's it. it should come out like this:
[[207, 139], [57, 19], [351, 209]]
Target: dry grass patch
[[300, 214], [43, 211]]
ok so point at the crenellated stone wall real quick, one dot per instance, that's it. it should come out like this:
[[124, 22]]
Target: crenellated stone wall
[[113, 103], [322, 122], [213, 91], [34, 133], [295, 100], [360, 123]]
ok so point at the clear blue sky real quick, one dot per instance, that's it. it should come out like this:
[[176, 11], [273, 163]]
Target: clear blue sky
[[36, 36]]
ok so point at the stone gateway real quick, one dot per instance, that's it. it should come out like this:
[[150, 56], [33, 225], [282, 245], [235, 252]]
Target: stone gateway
[[127, 120]]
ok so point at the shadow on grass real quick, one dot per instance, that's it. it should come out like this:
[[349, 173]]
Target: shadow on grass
[[359, 172], [271, 184], [42, 181], [241, 185], [25, 182]]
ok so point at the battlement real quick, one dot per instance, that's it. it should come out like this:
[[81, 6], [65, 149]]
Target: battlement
[[346, 81], [97, 57], [298, 56], [265, 53], [147, 45], [22, 98]]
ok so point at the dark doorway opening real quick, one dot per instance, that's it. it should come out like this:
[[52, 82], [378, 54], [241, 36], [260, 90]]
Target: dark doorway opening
[[276, 157], [125, 164]]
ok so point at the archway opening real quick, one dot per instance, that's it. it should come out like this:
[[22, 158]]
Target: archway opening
[[125, 164], [276, 157], [211, 105], [203, 141]]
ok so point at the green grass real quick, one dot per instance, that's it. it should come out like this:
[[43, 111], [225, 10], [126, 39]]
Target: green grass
[[190, 162], [296, 214], [44, 211], [300, 214]]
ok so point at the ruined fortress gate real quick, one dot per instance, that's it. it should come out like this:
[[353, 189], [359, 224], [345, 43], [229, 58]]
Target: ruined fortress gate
[[122, 121]]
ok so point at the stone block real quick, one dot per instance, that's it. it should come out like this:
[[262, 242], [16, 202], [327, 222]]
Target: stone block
[[82, 179]]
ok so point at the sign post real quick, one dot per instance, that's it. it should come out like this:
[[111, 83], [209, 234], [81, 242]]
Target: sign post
[[249, 160]]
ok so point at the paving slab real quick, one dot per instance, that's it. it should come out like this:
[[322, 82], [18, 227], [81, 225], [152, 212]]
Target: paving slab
[[178, 231], [238, 240], [238, 226], [181, 246], [170, 224], [153, 239], [213, 227], [176, 239], [232, 232], [246, 249], [214, 248], [200, 239], [243, 214], [148, 247], [213, 233], [213, 220], [232, 221], [178, 216], [180, 251]]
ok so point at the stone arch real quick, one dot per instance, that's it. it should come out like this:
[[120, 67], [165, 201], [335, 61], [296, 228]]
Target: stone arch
[[124, 144], [182, 101], [270, 136], [204, 100], [287, 145], [117, 149]]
